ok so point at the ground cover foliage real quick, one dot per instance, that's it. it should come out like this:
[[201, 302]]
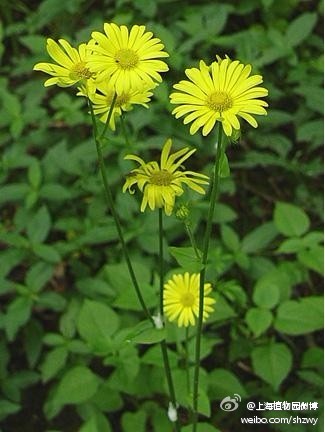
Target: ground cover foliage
[[71, 356]]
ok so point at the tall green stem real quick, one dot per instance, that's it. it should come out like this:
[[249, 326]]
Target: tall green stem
[[207, 235], [163, 344], [110, 202], [187, 366]]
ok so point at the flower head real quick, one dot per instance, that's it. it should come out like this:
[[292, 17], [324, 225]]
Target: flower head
[[126, 58], [181, 299], [221, 92], [160, 184], [70, 66], [103, 97]]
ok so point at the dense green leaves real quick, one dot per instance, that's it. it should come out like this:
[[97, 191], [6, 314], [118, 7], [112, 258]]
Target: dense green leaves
[[72, 329]]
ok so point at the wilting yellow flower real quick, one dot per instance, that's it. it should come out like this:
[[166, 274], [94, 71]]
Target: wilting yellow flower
[[103, 97], [160, 184], [126, 59], [221, 92], [71, 64], [181, 299]]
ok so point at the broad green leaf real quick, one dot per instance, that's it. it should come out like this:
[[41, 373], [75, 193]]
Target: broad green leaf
[[186, 258], [300, 317], [290, 220], [35, 174], [259, 238], [313, 358], [96, 324], [201, 427], [53, 363], [77, 385], [134, 421], [272, 363], [258, 320], [223, 383], [266, 291], [17, 315], [38, 275], [313, 258], [47, 253], [96, 423], [7, 408], [230, 238], [39, 226], [224, 170], [299, 29], [149, 336]]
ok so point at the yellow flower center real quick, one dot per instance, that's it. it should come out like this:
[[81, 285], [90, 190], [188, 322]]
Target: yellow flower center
[[126, 58], [161, 178], [219, 101], [80, 71], [188, 299], [121, 99]]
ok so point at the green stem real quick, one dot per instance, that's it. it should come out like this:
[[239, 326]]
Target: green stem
[[110, 113], [207, 235], [192, 240], [123, 125], [163, 344], [187, 369], [110, 202]]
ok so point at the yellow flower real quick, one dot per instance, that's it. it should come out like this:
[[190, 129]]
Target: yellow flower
[[102, 100], [126, 59], [221, 92], [181, 299], [160, 184], [71, 64]]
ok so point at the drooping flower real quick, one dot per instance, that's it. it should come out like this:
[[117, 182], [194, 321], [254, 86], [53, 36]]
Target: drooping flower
[[126, 58], [103, 97], [181, 299], [221, 92], [70, 67], [161, 183]]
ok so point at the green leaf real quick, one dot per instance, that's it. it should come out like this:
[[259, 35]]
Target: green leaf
[[47, 253], [290, 220], [96, 423], [149, 336], [17, 315], [272, 363], [224, 170], [53, 363], [39, 226], [134, 421], [300, 28], [77, 385], [96, 323], [35, 174], [201, 427], [259, 238], [266, 291], [186, 258], [258, 320], [313, 259], [38, 275], [300, 317], [7, 408], [230, 238], [223, 383]]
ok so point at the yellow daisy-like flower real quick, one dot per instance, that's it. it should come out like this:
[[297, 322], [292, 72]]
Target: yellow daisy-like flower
[[103, 97], [71, 64], [221, 92], [126, 58], [181, 299], [160, 184]]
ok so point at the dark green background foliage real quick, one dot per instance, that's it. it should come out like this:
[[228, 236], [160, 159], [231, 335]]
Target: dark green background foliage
[[71, 357]]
